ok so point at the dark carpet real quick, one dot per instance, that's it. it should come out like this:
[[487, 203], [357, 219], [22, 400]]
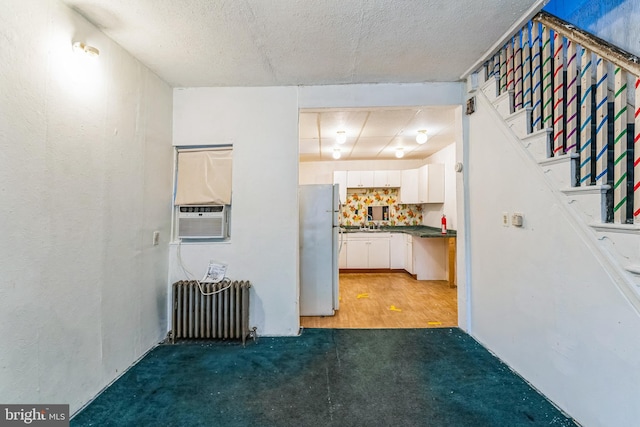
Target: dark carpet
[[325, 377]]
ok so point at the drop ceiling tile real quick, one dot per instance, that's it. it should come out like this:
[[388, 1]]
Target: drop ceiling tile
[[309, 146], [309, 125], [387, 122], [349, 121]]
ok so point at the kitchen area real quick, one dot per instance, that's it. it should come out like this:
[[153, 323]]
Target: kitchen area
[[393, 221]]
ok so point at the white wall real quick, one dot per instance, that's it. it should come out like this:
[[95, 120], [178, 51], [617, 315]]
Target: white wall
[[540, 299], [85, 178], [262, 124]]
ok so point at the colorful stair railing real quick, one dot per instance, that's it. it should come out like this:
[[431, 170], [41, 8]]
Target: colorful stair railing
[[580, 87]]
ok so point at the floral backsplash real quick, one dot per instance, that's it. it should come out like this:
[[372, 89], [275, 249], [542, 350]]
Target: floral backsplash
[[354, 211]]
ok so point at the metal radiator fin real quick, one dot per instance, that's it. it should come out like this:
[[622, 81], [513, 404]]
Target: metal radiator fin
[[224, 315]]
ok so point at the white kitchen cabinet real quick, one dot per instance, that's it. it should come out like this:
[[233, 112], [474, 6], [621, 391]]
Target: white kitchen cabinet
[[431, 183], [397, 251], [423, 184], [340, 178], [379, 253], [409, 187], [368, 250], [387, 179], [357, 253], [360, 179]]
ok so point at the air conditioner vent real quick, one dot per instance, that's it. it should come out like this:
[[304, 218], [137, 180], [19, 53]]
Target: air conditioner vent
[[202, 222]]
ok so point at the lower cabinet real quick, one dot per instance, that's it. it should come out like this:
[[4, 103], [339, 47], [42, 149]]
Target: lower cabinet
[[424, 257], [367, 250], [357, 253], [397, 250], [379, 253]]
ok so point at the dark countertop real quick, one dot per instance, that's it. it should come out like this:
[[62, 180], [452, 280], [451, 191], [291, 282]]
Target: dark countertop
[[414, 230]]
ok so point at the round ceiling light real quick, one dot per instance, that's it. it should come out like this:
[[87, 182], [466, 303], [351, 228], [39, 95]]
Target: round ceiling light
[[400, 152], [421, 137], [341, 137], [336, 153]]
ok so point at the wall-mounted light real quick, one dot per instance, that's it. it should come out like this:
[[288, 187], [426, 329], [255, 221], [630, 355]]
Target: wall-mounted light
[[341, 137], [336, 153], [421, 137], [399, 152], [85, 49]]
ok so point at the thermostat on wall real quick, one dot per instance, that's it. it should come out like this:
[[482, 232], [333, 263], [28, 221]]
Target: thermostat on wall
[[517, 219]]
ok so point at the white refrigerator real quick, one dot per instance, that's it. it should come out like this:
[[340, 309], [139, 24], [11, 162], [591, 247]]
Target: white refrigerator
[[319, 207]]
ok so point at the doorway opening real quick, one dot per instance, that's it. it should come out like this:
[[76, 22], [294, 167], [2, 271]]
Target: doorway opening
[[419, 293]]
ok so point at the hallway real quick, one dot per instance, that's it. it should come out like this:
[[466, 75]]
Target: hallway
[[390, 300]]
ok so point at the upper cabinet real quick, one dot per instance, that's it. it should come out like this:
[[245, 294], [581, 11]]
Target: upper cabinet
[[340, 178], [409, 188], [423, 185], [387, 179], [360, 179], [431, 183]]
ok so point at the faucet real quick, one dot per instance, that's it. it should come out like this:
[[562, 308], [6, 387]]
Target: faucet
[[370, 220]]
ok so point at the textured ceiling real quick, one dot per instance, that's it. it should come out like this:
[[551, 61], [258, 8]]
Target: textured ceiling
[[204, 43], [193, 43]]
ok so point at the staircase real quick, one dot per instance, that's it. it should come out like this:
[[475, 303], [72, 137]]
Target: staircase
[[573, 102]]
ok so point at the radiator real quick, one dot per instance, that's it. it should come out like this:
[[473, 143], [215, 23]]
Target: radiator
[[224, 315]]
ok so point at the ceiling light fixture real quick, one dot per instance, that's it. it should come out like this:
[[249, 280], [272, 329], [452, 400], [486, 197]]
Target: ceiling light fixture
[[336, 153], [399, 152], [341, 137], [421, 137], [85, 49]]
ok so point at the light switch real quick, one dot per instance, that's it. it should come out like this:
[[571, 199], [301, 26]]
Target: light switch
[[505, 219]]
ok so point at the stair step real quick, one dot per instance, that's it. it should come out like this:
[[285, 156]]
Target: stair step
[[520, 122], [589, 201], [561, 169], [537, 143], [490, 88], [504, 104]]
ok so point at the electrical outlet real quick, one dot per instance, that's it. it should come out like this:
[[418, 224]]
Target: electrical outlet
[[505, 219], [156, 238]]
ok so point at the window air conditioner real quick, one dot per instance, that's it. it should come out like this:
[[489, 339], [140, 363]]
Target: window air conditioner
[[202, 222]]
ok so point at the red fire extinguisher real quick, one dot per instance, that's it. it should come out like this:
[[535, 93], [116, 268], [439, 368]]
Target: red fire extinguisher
[[444, 224]]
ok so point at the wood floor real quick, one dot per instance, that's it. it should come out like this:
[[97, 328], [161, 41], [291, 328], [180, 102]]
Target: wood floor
[[390, 300]]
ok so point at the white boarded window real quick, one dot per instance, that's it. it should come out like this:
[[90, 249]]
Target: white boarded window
[[204, 177]]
